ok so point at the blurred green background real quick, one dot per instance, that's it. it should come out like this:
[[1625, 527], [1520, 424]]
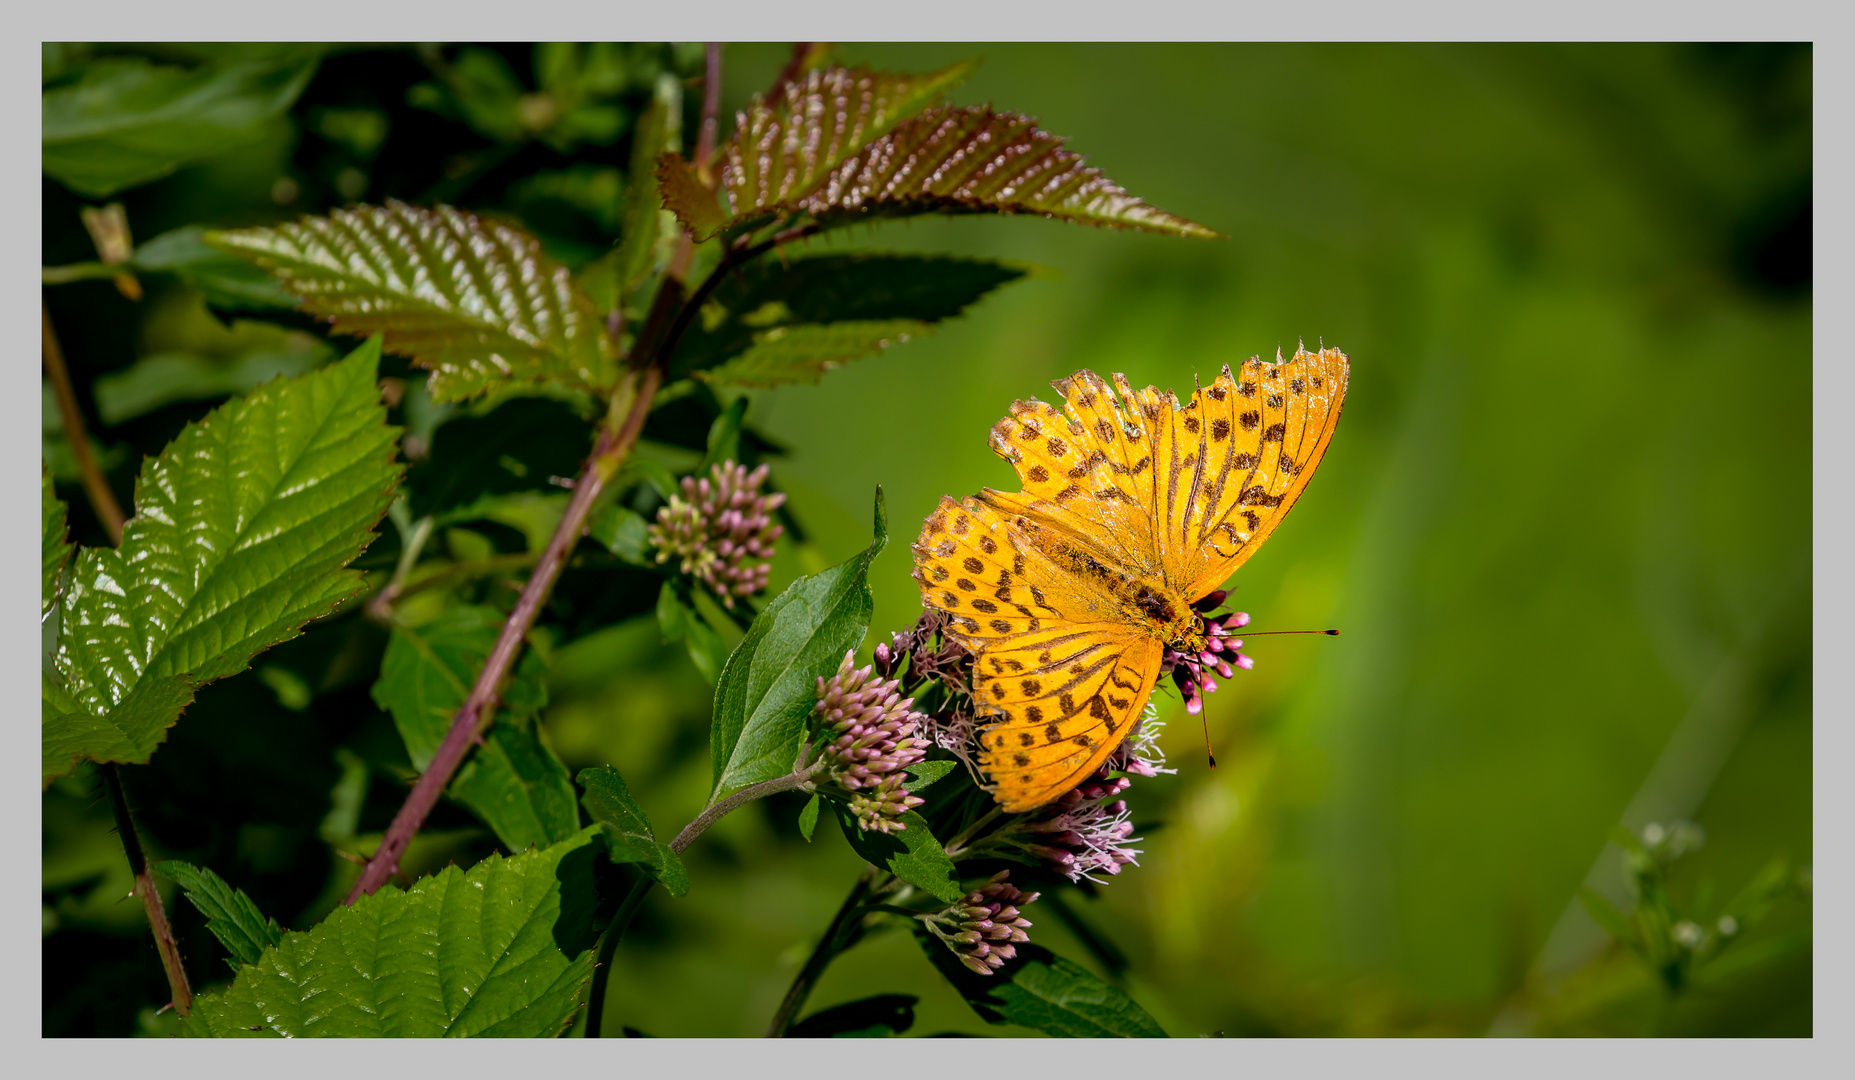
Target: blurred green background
[[1563, 526]]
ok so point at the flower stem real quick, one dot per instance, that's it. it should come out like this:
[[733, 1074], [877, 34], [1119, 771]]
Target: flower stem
[[96, 487], [151, 896], [613, 446], [829, 946]]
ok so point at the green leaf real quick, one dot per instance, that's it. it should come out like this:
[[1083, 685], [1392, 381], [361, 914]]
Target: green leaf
[[243, 528], [126, 121], [158, 380], [623, 531], [725, 436], [914, 855], [521, 445], [628, 831], [54, 549], [1043, 991], [681, 622], [660, 130], [876, 1017], [505, 949], [787, 147], [769, 684], [519, 787], [774, 324], [231, 915], [477, 302], [808, 817], [227, 281], [927, 772]]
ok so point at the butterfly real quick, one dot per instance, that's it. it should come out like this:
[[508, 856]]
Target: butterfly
[[1134, 506]]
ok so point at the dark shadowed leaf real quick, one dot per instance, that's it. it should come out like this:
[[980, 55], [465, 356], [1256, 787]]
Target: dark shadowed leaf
[[475, 301], [875, 1017], [774, 323], [227, 281], [505, 949], [126, 121], [154, 381], [627, 830], [680, 621], [243, 528], [231, 915], [1044, 991], [518, 446], [769, 684], [808, 817], [913, 854], [54, 549]]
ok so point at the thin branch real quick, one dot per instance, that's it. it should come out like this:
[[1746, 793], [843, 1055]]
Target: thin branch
[[829, 946], [608, 454], [151, 896], [734, 802], [96, 487]]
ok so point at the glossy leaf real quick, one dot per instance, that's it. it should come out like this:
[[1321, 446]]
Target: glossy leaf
[[769, 684], [126, 121], [164, 378], [628, 834], [1043, 991], [876, 1017], [505, 949], [243, 528], [774, 323], [231, 915], [227, 281], [475, 301], [913, 854], [785, 147], [54, 549]]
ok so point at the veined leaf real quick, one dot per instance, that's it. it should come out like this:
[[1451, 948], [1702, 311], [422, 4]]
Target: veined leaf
[[227, 281], [627, 830], [242, 530], [127, 121], [475, 301], [1044, 991], [772, 323], [785, 147], [230, 914], [505, 949], [913, 854], [520, 788], [54, 549], [769, 684]]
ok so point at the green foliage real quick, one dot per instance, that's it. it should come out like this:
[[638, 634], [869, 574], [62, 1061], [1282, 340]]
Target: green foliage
[[787, 147], [680, 621], [503, 949], [926, 772], [227, 281], [808, 817], [627, 830], [125, 120], [231, 915], [913, 854], [475, 301], [54, 549], [521, 445], [243, 526], [1043, 991], [773, 324], [769, 684], [164, 378], [876, 1017], [514, 782]]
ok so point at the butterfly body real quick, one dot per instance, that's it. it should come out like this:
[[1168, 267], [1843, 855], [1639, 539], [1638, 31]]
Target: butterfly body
[[1134, 506]]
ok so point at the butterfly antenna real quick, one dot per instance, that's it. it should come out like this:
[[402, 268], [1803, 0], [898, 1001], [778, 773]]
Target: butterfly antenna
[[1208, 755], [1261, 633]]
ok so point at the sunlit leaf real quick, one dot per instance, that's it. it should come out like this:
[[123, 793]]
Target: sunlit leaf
[[242, 529], [926, 772], [769, 685], [505, 949], [475, 301], [1044, 991], [913, 854], [54, 549], [628, 834], [231, 915], [126, 121], [785, 147]]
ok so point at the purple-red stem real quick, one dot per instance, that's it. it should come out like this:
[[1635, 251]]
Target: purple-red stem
[[711, 109]]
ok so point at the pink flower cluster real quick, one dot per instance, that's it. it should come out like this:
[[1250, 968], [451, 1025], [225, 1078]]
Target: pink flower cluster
[[984, 927], [868, 734], [1192, 671], [721, 529]]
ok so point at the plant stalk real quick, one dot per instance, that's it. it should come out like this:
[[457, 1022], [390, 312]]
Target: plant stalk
[[96, 487], [608, 454], [145, 888], [828, 947], [711, 111]]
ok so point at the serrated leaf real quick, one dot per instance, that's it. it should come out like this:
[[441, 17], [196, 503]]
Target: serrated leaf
[[54, 549], [231, 915], [228, 282], [126, 121], [1043, 991], [154, 381], [876, 1017], [926, 772], [785, 147], [913, 854], [475, 301], [802, 354], [808, 817], [628, 831], [518, 786], [243, 528], [769, 684], [505, 949]]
